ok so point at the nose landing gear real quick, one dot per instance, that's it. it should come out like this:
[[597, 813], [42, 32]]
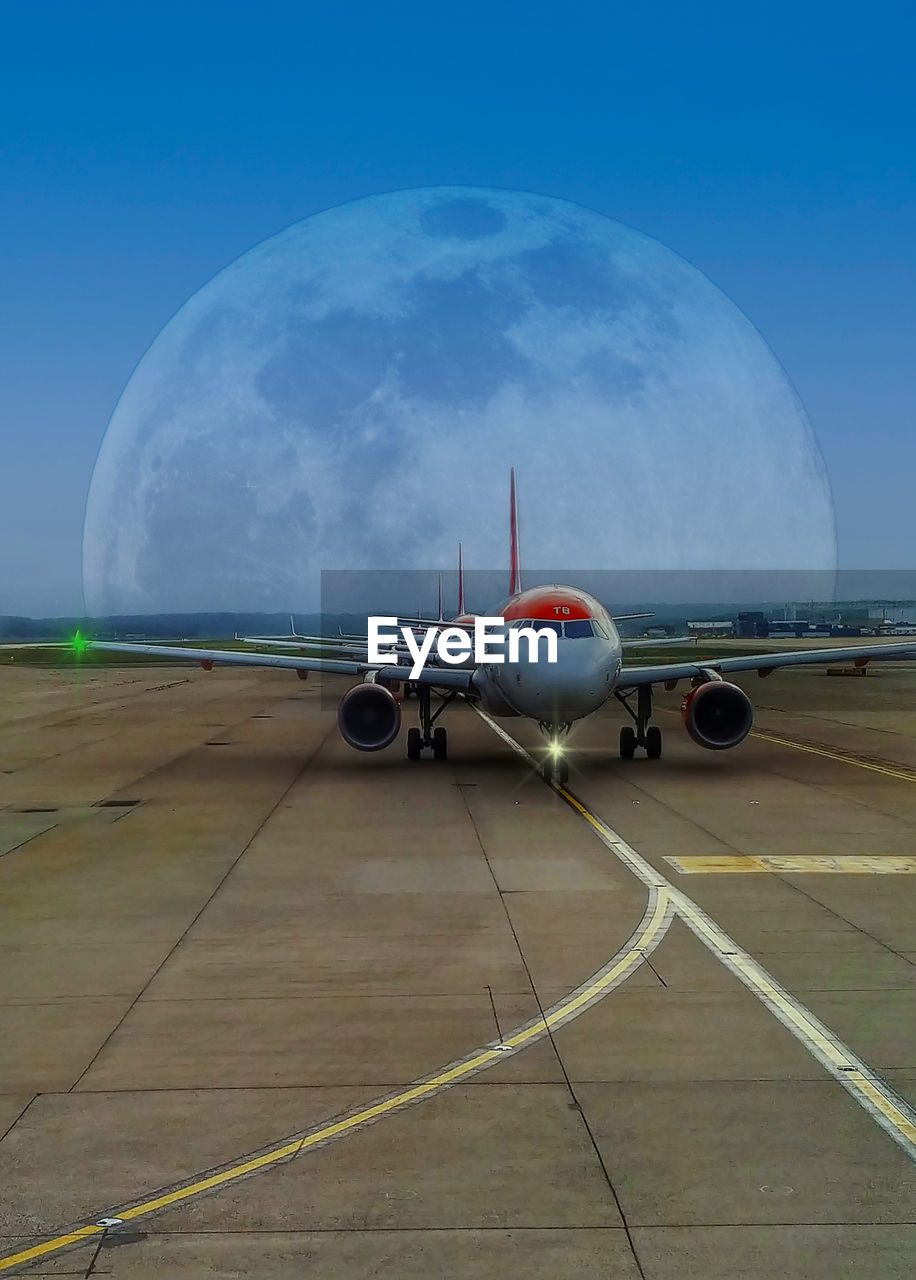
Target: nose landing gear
[[555, 768], [644, 735]]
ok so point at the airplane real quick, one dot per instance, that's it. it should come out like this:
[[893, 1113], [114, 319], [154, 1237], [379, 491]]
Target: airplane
[[346, 641], [349, 645], [589, 671]]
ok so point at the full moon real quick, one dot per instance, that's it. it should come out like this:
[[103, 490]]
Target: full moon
[[351, 394]]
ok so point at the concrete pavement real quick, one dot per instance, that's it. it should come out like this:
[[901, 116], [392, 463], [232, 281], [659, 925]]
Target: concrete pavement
[[278, 931]]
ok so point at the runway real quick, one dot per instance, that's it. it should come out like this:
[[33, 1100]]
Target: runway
[[223, 931]]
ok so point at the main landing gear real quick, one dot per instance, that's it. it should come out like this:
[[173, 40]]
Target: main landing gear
[[645, 735], [427, 736]]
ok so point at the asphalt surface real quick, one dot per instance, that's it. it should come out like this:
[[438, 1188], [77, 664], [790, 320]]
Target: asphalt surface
[[305, 1011]]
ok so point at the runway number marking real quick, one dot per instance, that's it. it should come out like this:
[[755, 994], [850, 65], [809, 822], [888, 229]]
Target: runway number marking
[[892, 1113], [648, 935], [814, 864]]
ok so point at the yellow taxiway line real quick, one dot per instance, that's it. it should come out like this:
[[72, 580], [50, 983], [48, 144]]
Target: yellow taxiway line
[[891, 1112], [901, 773], [648, 935], [849, 864]]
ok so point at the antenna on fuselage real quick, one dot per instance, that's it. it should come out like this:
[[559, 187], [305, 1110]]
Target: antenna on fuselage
[[515, 578]]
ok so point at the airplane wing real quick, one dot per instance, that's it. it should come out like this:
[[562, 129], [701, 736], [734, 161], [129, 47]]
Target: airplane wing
[[342, 639], [358, 648], [292, 634], [437, 677], [655, 644], [294, 639], [307, 642], [762, 663]]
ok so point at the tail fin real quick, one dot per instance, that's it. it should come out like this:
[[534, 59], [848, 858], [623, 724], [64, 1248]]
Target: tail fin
[[460, 583], [515, 578]]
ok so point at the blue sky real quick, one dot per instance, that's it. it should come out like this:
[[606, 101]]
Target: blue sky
[[145, 146]]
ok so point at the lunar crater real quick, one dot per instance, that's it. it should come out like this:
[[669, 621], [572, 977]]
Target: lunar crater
[[352, 392]]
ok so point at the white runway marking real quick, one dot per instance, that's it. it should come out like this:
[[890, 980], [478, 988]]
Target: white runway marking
[[891, 1112]]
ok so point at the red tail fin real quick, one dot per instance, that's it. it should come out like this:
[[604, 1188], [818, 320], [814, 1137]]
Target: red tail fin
[[460, 583], [515, 578]]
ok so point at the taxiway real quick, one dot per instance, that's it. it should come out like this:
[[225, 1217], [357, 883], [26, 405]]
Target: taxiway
[[280, 1005]]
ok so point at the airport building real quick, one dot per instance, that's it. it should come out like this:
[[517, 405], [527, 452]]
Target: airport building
[[850, 618], [707, 630], [752, 623]]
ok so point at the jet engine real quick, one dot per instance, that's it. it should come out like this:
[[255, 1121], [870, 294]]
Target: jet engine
[[369, 717], [717, 715]]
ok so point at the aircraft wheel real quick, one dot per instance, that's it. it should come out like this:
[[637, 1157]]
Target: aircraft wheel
[[440, 744], [414, 744], [627, 743], [653, 742]]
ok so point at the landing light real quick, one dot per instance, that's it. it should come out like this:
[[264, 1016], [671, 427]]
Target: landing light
[[79, 644], [555, 748]]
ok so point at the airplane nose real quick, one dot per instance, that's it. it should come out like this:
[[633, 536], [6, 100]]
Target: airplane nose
[[554, 692]]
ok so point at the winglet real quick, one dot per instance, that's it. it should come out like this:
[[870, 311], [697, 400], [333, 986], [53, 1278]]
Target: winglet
[[515, 579], [460, 583]]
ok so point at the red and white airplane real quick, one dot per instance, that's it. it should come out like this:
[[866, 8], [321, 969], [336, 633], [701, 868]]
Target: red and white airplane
[[589, 670]]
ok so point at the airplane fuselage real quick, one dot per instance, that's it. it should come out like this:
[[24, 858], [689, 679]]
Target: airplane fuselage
[[584, 674]]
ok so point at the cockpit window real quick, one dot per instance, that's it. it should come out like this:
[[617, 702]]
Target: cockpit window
[[575, 629], [578, 628], [539, 624]]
